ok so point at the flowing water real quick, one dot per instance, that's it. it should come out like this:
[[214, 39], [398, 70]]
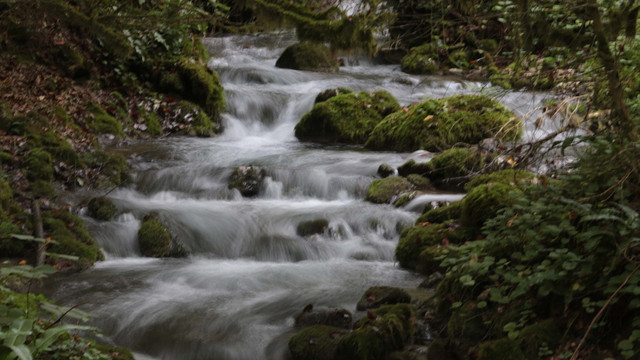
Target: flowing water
[[249, 273]]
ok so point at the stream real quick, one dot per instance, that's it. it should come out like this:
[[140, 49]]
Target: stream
[[249, 273]]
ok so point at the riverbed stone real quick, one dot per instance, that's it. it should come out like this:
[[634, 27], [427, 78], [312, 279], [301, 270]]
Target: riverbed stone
[[247, 180], [439, 124], [346, 118], [307, 56], [101, 208], [383, 191], [386, 170], [312, 227], [335, 317], [377, 296]]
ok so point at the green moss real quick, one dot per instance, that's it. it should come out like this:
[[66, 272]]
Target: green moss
[[329, 93], [413, 167], [6, 194], [439, 124], [378, 296], [154, 238], [307, 56], [103, 123], [389, 329], [152, 121], [6, 115], [459, 59], [431, 257], [199, 122], [441, 214], [70, 60], [347, 118], [72, 237], [59, 148], [113, 168], [544, 336], [382, 191], [201, 86], [421, 60], [5, 158], [312, 227], [453, 166], [11, 247], [42, 189], [482, 203], [419, 181], [415, 239], [102, 208], [318, 342], [466, 326], [404, 199], [511, 177], [37, 165], [500, 349], [385, 170]]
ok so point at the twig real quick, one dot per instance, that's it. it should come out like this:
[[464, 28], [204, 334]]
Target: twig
[[599, 314], [62, 316]]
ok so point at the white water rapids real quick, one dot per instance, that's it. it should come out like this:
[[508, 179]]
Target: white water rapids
[[249, 273]]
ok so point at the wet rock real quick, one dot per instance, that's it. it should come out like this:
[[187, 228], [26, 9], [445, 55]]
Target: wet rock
[[420, 182], [312, 227], [310, 316], [247, 180], [377, 296], [307, 56], [386, 170], [155, 240], [102, 208], [412, 167], [454, 167], [329, 93], [383, 191], [318, 342]]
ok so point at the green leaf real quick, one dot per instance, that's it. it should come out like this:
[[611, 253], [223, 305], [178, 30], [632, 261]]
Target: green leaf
[[22, 351]]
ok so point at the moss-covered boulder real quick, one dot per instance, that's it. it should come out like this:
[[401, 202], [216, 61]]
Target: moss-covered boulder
[[113, 168], [421, 60], [42, 189], [340, 318], [415, 239], [420, 182], [102, 122], [37, 165], [197, 121], [544, 335], [441, 214], [385, 170], [383, 191], [347, 118], [376, 335], [154, 239], [307, 56], [247, 179], [500, 349], [454, 167], [72, 238], [11, 247], [312, 227], [377, 296], [439, 124], [412, 167], [511, 177], [101, 208], [482, 203], [317, 342], [329, 93], [59, 148]]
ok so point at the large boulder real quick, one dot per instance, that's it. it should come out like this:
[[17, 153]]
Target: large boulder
[[439, 124], [155, 240], [346, 117], [247, 180], [384, 191], [307, 56]]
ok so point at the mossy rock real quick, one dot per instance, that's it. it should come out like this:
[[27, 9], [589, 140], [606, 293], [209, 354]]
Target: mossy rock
[[383, 191], [347, 118], [72, 237], [545, 335], [377, 296], [199, 122], [42, 189], [405, 198], [307, 56], [412, 167], [318, 342], [103, 123], [421, 60], [6, 194], [154, 238], [312, 227], [152, 121], [37, 165], [102, 208], [202, 86], [12, 247], [466, 327], [340, 318], [247, 180], [511, 177], [482, 203], [329, 93], [385, 170], [387, 329], [5, 158], [113, 167], [453, 167], [420, 182], [459, 59], [441, 214], [500, 349], [439, 124], [415, 239], [59, 148]]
